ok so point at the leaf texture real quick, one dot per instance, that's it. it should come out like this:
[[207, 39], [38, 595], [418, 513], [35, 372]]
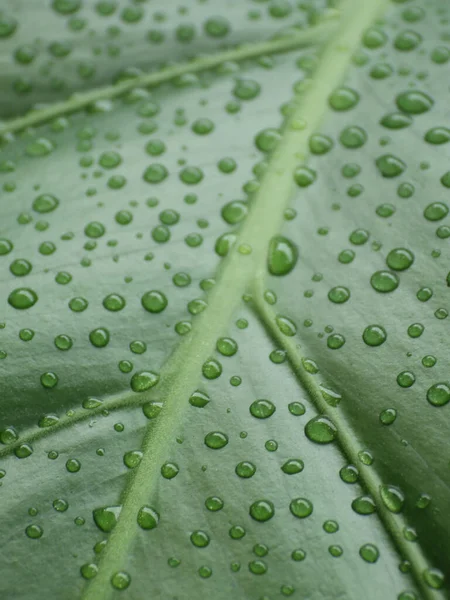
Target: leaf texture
[[225, 304]]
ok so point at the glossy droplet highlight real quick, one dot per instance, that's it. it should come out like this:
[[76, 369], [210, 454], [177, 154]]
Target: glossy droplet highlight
[[384, 281], [301, 508], [106, 517], [282, 257], [216, 440], [143, 380], [390, 165], [392, 498], [414, 102], [262, 409], [154, 301], [22, 298], [439, 394], [321, 430], [147, 518], [374, 335], [262, 510]]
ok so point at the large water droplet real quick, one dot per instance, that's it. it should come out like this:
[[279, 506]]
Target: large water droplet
[[283, 255], [321, 430]]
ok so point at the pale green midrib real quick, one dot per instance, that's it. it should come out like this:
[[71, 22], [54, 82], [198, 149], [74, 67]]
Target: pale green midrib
[[238, 271], [394, 524], [81, 100]]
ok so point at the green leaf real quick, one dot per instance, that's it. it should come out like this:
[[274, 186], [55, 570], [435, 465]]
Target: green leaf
[[223, 331]]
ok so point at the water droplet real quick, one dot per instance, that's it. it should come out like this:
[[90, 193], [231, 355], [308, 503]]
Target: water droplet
[[320, 144], [226, 346], [304, 176], [262, 409], [298, 555], [60, 505], [339, 294], [155, 173], [94, 229], [99, 337], [392, 498], [349, 474], [245, 469], [246, 89], [114, 302], [400, 259], [20, 267], [152, 409], [286, 325], [369, 553], [147, 517], [364, 505], [359, 237], [169, 470], [22, 298], [414, 102], [437, 135], [78, 304], [374, 335], [49, 379], [199, 399], [390, 165], [45, 203], [388, 416], [301, 508], [262, 510], [438, 394], [41, 146], [407, 40], [211, 369], [435, 211], [236, 532], [154, 301], [73, 465], [106, 517], [406, 379], [343, 98], [216, 440], [353, 137], [214, 503], [293, 466], [200, 539], [89, 570], [132, 458], [283, 255], [34, 531], [429, 361], [434, 578], [120, 580], [321, 430], [143, 380]]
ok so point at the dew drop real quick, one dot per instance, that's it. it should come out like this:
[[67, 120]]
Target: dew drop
[[216, 440], [262, 409], [374, 335], [147, 517], [321, 430], [106, 517], [22, 298], [301, 507], [143, 380], [369, 553], [282, 257], [262, 510]]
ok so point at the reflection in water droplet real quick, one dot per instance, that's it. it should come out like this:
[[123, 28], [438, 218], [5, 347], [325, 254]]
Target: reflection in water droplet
[[321, 430]]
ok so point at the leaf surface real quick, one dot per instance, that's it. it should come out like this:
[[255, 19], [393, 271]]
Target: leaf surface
[[224, 337]]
